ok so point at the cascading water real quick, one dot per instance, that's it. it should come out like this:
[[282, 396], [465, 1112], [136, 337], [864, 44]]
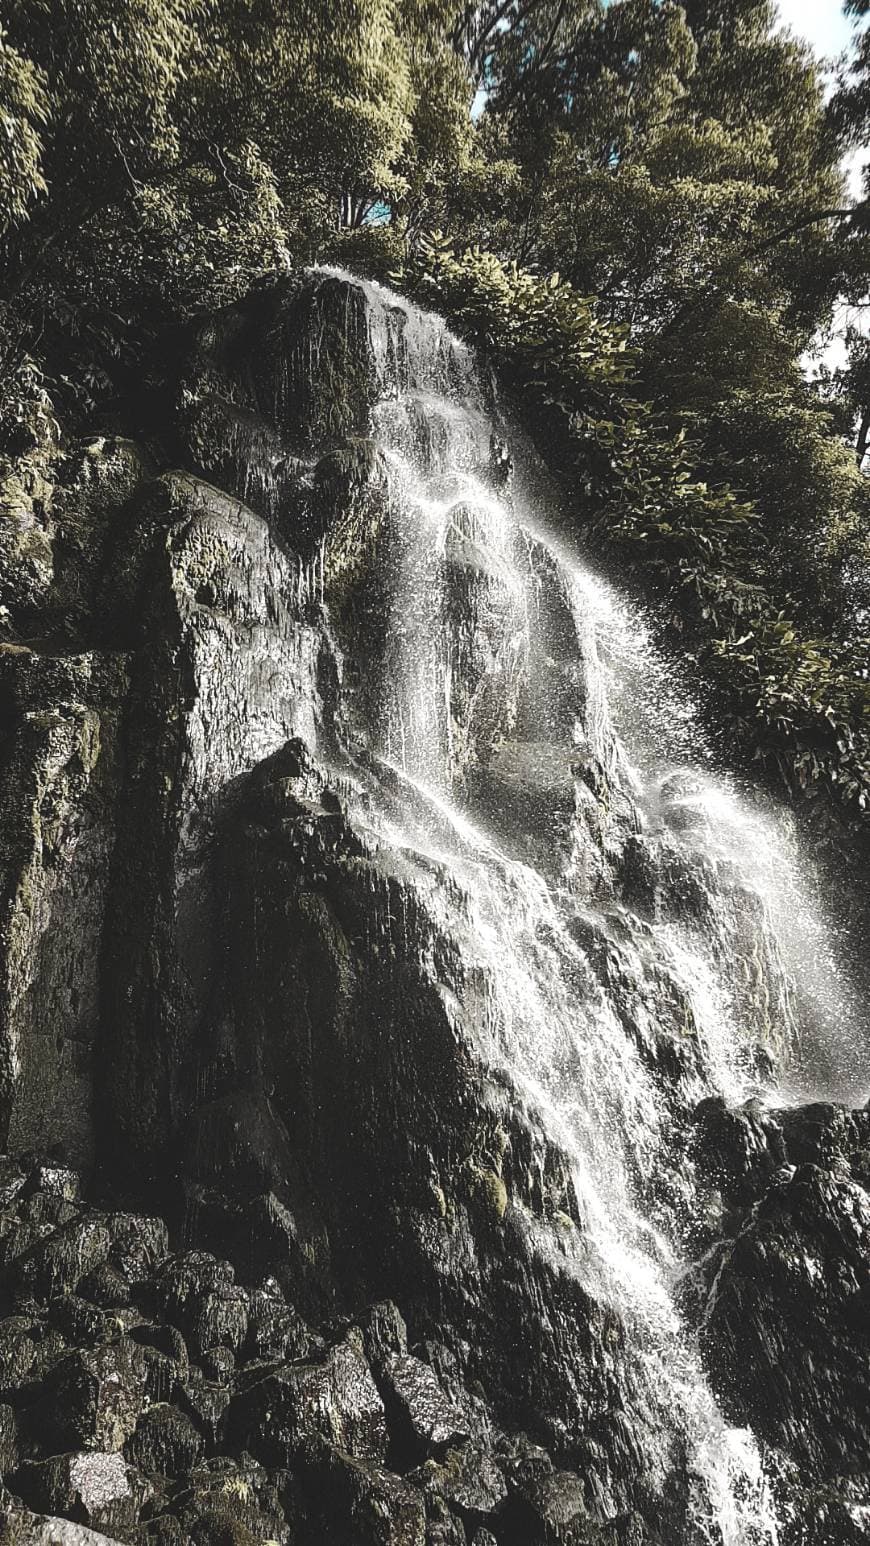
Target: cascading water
[[546, 789]]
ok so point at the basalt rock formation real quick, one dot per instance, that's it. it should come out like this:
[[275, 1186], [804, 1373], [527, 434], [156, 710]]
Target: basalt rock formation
[[421, 1018]]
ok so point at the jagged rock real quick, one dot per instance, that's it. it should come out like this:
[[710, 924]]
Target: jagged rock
[[442, 1527], [823, 1134], [106, 1287], [165, 1359], [18, 1527], [274, 1328], [421, 1417], [164, 1339], [13, 1179], [550, 1510], [223, 1503], [219, 1363], [787, 1328], [10, 1444], [199, 1293], [206, 1403], [161, 1375], [138, 1245], [385, 1334], [337, 1399], [84, 1325], [50, 1347], [17, 1352], [57, 1264], [164, 1530], [469, 1478], [91, 1400], [359, 1504], [55, 1181], [738, 1151], [98, 1490], [46, 1211], [165, 1442]]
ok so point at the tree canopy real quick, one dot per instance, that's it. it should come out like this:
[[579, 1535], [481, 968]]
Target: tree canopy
[[677, 166]]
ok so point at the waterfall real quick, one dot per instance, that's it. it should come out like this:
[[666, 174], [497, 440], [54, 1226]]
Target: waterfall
[[540, 774]]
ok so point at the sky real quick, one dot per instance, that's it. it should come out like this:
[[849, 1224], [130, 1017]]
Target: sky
[[829, 32], [821, 22]]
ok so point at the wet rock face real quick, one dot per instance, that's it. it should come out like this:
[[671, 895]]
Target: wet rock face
[[342, 953], [59, 792], [786, 1325]]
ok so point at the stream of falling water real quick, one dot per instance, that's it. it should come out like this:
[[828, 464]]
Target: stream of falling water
[[460, 649]]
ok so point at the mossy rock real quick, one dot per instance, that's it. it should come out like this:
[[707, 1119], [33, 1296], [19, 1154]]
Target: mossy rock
[[489, 1192]]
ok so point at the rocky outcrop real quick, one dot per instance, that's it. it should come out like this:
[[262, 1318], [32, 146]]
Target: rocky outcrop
[[111, 1429], [784, 1305], [354, 964]]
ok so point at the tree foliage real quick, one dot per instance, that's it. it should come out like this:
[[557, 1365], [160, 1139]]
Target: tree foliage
[[646, 227], [159, 154]]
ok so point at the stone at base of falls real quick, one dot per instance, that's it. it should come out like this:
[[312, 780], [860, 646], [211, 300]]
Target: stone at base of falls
[[19, 1527], [337, 1398], [430, 1421], [101, 1491], [173, 1420], [786, 1324]]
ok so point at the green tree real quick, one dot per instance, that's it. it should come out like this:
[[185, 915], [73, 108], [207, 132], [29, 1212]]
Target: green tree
[[163, 153]]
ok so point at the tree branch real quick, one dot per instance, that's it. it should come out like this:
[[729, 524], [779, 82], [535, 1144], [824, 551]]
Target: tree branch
[[803, 224], [709, 291]]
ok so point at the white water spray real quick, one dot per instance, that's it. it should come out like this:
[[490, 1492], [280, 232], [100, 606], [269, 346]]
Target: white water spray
[[514, 675]]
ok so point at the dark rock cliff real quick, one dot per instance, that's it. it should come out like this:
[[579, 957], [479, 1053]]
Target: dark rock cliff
[[436, 1042]]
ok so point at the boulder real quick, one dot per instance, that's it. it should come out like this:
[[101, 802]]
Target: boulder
[[275, 1330], [18, 1527], [85, 1325], [199, 1295], [57, 1264], [90, 1488], [55, 1181], [225, 1503], [13, 1179], [550, 1510], [338, 1399], [165, 1359], [165, 1442], [91, 1399], [358, 1503], [138, 1245], [421, 1417], [469, 1478], [18, 1344], [218, 1364], [443, 1528], [206, 1404], [107, 1287]]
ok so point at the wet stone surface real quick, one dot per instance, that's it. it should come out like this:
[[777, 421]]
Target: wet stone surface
[[388, 1013]]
